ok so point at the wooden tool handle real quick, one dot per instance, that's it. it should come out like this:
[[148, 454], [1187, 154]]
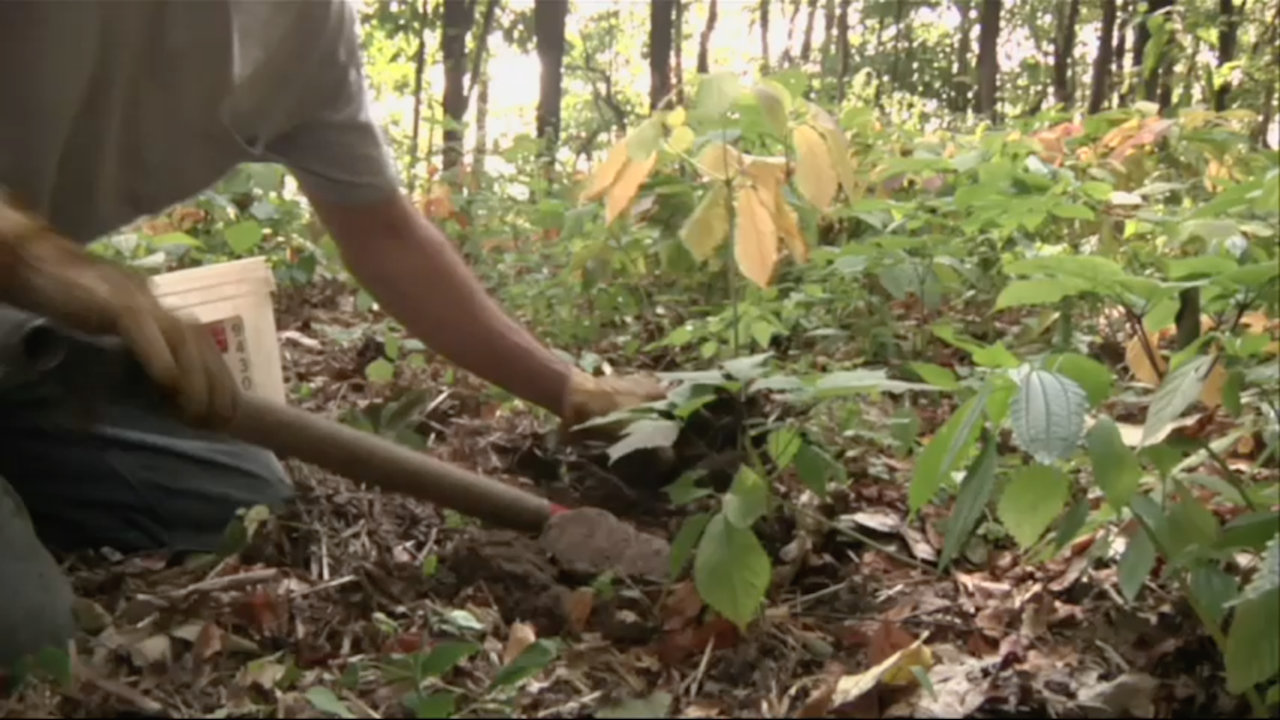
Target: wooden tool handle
[[371, 459], [34, 346]]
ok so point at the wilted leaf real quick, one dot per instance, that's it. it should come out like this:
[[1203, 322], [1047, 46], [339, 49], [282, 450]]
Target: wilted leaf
[[756, 242], [718, 161], [731, 570], [606, 173], [789, 228], [707, 226], [815, 176], [628, 183]]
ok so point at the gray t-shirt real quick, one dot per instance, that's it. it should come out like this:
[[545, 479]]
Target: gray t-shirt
[[115, 109]]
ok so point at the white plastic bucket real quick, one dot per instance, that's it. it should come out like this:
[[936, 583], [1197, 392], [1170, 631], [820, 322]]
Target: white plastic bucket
[[233, 300]]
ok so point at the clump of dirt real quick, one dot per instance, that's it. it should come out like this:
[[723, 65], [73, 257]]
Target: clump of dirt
[[515, 572]]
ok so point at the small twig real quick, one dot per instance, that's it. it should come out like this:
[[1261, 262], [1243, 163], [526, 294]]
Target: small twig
[[695, 682], [120, 690], [226, 582]]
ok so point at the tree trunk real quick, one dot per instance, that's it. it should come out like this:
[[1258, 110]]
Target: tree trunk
[[1064, 46], [481, 150], [419, 70], [549, 20], [1149, 83], [704, 42], [661, 24], [962, 83], [1228, 38], [459, 16], [788, 57], [1100, 84], [806, 44], [842, 37], [764, 37], [678, 45], [899, 13], [988, 62], [1119, 77]]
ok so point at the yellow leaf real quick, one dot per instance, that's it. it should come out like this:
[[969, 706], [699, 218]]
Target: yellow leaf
[[681, 139], [604, 175], [708, 226], [1140, 365], [766, 173], [755, 244], [789, 228], [815, 176], [1211, 393], [676, 118], [624, 189], [1256, 322], [719, 161]]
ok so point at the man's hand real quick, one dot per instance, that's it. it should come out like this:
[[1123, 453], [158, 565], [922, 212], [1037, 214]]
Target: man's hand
[[589, 397], [47, 274]]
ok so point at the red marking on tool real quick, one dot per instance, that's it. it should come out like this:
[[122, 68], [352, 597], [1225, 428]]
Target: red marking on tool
[[557, 509]]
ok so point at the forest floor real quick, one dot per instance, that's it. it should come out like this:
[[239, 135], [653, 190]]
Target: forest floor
[[325, 609]]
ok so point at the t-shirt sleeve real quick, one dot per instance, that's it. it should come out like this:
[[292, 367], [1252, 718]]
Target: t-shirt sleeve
[[336, 151]]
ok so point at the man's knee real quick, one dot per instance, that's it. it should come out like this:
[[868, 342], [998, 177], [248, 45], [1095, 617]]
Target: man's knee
[[36, 605]]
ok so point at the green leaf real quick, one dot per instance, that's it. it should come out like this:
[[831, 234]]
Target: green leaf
[[747, 499], [644, 434], [1083, 267], [380, 371], [528, 663], [1095, 377], [1251, 531], [656, 705], [1072, 211], [935, 375], [686, 540], [1251, 277], [975, 492], [1044, 291], [731, 570], [1115, 465], [1048, 415], [1267, 580], [1253, 643], [1191, 527], [1177, 391], [748, 367], [773, 100], [436, 705], [817, 468], [175, 238], [646, 139], [716, 94], [244, 236], [1030, 502], [783, 444], [445, 655], [685, 489], [1213, 589], [949, 445], [1070, 525], [323, 699], [1136, 564], [1198, 267], [996, 356]]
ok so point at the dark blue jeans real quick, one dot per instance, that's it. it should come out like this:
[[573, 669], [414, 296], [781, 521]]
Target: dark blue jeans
[[134, 478]]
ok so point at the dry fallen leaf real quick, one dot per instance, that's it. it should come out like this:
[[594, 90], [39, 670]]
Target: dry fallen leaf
[[1135, 356], [521, 636], [578, 606]]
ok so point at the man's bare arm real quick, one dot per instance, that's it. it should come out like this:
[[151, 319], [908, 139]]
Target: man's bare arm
[[423, 282]]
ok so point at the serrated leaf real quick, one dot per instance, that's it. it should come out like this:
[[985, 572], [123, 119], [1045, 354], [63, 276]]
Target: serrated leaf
[[747, 499], [1034, 497], [975, 492], [707, 227], [686, 540], [731, 570], [244, 236], [755, 246], [815, 176], [1180, 388], [643, 434], [1136, 564], [1115, 466], [949, 445], [1047, 415]]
